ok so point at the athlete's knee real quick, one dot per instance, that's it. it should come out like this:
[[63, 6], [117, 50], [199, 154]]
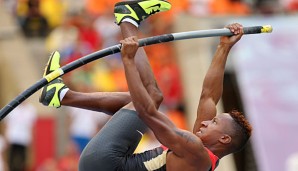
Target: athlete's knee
[[154, 92], [127, 98], [97, 160]]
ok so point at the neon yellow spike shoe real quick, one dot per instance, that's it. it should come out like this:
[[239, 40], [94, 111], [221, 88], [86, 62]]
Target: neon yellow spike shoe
[[50, 95], [139, 10]]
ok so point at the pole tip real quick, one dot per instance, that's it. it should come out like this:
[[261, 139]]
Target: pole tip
[[267, 29]]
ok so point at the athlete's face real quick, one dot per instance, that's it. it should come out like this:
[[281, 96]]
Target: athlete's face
[[216, 130]]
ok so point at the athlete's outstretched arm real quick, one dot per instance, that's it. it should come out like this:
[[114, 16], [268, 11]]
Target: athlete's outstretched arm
[[182, 143], [213, 82]]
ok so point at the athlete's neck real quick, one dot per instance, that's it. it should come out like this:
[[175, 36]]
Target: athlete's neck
[[220, 152]]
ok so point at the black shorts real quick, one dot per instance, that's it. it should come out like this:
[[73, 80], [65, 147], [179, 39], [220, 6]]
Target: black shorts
[[113, 147]]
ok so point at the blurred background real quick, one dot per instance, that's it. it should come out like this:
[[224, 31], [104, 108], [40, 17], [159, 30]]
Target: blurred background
[[260, 79]]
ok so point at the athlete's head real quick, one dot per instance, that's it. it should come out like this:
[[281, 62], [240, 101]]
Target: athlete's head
[[229, 131]]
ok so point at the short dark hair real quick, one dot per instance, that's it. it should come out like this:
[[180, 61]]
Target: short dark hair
[[242, 130]]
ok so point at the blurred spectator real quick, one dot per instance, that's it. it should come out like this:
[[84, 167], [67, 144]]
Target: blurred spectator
[[229, 7], [82, 78], [168, 77], [48, 165], [107, 29], [268, 7], [54, 11], [118, 74], [3, 148], [18, 132], [21, 11], [83, 125], [86, 40], [102, 78], [290, 6], [63, 38], [75, 6], [199, 7], [10, 5], [97, 8], [89, 38], [70, 160], [73, 53], [35, 24]]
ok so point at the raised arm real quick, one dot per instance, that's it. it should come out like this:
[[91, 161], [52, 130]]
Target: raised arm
[[182, 143], [213, 82]]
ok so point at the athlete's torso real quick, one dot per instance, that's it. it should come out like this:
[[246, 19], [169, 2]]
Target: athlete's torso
[[175, 163]]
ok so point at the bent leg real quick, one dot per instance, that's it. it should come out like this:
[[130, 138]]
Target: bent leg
[[117, 139], [143, 65]]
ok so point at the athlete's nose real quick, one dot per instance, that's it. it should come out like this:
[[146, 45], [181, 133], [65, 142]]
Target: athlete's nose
[[205, 123]]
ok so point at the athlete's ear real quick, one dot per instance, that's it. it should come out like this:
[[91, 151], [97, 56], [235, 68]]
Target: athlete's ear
[[225, 139]]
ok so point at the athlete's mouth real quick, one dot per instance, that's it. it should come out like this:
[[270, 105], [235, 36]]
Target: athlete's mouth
[[199, 132]]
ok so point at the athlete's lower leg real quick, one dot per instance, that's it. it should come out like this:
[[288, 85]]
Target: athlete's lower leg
[[108, 102], [143, 65], [129, 15]]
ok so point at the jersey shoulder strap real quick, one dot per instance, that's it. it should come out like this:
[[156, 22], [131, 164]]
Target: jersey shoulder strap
[[214, 159]]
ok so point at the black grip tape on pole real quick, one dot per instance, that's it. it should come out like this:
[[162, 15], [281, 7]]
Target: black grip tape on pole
[[252, 30], [156, 39]]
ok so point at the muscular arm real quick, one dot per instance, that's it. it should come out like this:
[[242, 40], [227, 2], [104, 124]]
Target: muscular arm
[[182, 143], [212, 86], [213, 82]]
